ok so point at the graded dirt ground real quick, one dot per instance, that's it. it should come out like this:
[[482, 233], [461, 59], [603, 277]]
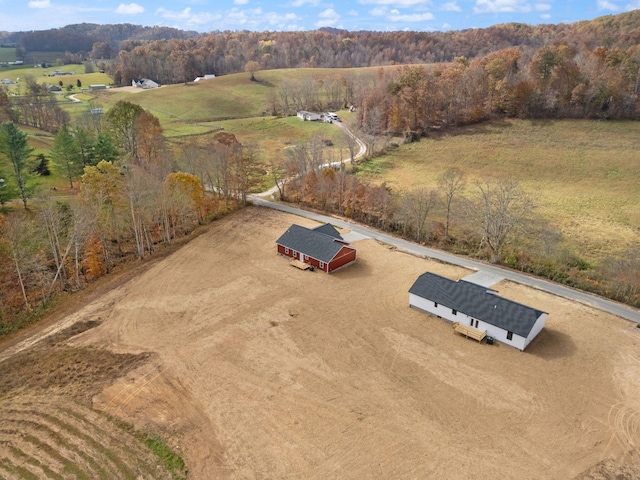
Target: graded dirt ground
[[253, 369]]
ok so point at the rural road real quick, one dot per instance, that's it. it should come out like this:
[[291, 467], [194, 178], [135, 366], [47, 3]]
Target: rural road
[[484, 269], [362, 149], [486, 274]]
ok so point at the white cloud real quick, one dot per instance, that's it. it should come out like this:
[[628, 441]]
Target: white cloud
[[542, 7], [281, 19], [240, 2], [633, 5], [354, 13], [396, 16], [545, 16], [502, 6], [39, 4], [397, 3], [328, 18], [451, 7], [257, 19], [607, 5], [183, 15], [130, 9], [301, 3], [379, 11], [446, 26]]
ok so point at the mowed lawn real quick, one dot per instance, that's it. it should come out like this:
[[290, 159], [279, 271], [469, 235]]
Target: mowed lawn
[[584, 175]]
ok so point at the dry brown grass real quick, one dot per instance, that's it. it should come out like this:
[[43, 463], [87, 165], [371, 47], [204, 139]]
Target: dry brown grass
[[585, 175]]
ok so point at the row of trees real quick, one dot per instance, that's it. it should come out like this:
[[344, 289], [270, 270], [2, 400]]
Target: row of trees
[[131, 194]]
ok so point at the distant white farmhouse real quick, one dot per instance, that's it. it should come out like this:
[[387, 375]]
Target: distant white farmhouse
[[144, 83], [477, 308], [6, 81], [206, 77], [309, 116]]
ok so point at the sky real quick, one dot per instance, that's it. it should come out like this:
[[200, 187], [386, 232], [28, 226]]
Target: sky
[[293, 15]]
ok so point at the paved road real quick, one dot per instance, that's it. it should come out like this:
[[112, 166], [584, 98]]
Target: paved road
[[486, 271]]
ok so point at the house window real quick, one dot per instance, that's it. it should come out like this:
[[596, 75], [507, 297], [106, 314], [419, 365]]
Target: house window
[[476, 323], [306, 257], [471, 322], [435, 304], [321, 264], [509, 335], [286, 250], [454, 312]]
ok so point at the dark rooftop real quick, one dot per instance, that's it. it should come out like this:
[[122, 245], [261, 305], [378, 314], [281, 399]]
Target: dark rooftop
[[313, 243], [478, 302]]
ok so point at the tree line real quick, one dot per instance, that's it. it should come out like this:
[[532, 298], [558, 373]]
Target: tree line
[[130, 194]]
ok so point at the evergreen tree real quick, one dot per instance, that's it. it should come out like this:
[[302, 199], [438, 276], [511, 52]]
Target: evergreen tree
[[105, 149], [42, 167], [66, 155], [14, 147]]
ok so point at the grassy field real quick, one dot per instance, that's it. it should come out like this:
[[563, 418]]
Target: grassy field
[[223, 98], [584, 175], [42, 76], [7, 55]]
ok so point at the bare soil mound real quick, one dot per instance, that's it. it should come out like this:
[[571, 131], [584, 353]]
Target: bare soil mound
[[260, 370]]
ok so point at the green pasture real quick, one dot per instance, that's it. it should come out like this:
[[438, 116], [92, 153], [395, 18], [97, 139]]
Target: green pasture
[[583, 175], [273, 135], [7, 55], [216, 99], [226, 97]]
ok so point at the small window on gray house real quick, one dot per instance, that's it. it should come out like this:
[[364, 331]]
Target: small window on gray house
[[476, 323], [454, 312], [509, 335], [435, 304]]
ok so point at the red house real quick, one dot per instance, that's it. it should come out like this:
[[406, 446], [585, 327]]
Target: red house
[[323, 247]]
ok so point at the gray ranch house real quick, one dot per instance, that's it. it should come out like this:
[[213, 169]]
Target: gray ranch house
[[477, 308]]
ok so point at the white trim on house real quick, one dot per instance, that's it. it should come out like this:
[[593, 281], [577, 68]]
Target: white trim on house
[[444, 302]]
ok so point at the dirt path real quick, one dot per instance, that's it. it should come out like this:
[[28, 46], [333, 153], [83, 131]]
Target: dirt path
[[261, 370]]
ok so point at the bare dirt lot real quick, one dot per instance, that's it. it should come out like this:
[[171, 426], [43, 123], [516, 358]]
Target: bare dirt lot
[[254, 369]]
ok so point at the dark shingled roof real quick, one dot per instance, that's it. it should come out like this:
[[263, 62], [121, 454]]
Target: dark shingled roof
[[313, 243], [476, 301], [328, 229]]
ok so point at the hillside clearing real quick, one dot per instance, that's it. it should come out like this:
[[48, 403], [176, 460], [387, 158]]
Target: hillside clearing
[[261, 370]]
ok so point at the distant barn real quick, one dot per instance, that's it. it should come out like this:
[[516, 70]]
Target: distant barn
[[477, 308], [322, 247]]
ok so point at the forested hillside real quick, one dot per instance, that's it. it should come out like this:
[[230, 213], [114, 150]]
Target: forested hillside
[[227, 52]]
